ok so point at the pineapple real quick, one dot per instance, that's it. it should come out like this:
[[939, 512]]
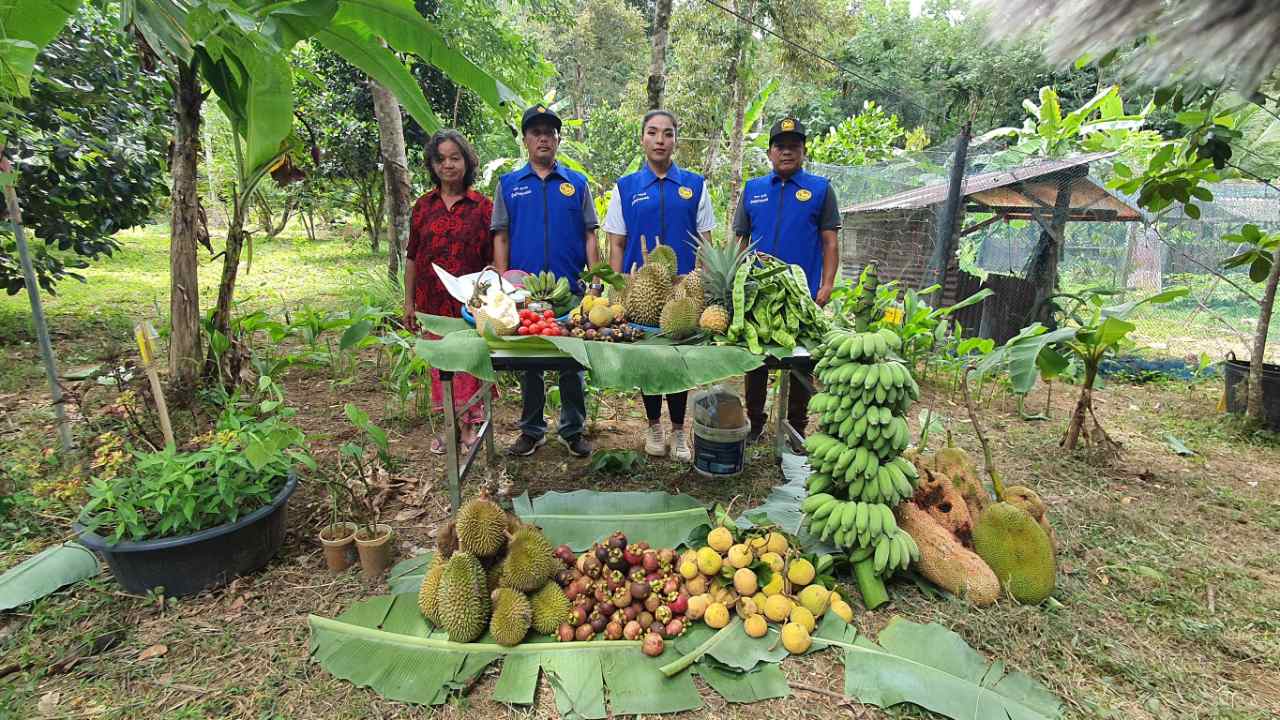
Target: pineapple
[[719, 261]]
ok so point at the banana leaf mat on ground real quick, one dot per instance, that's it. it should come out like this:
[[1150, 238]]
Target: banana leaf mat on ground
[[384, 643]]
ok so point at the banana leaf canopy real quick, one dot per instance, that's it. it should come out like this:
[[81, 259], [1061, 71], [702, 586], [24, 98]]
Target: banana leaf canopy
[[1207, 40]]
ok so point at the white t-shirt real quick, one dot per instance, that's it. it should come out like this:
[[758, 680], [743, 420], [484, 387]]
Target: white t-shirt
[[614, 222]]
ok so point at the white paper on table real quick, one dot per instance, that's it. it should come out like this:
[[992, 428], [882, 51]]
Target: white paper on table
[[463, 287]]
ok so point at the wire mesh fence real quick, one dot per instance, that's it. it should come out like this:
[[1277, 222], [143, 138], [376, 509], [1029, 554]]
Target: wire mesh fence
[[892, 212]]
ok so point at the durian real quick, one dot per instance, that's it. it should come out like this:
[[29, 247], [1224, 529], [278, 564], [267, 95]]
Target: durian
[[649, 289], [714, 319], [430, 588], [550, 608], [1018, 551], [462, 599], [665, 256], [511, 617], [679, 318], [529, 563], [481, 527], [693, 289]]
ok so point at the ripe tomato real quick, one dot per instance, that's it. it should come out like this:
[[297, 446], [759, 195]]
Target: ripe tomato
[[548, 315], [547, 332], [523, 330]]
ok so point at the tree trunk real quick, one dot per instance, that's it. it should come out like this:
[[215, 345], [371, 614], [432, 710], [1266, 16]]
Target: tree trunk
[[1042, 266], [186, 228], [1084, 407], [1256, 410], [230, 269], [737, 83], [395, 172], [658, 58]]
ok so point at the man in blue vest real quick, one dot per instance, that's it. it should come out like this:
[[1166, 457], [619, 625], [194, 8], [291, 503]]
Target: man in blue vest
[[544, 220], [660, 202], [793, 216]]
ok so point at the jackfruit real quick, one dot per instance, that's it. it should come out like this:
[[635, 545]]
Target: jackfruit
[[430, 588], [529, 562], [1029, 500], [463, 603], [481, 527], [512, 616], [944, 561], [550, 608], [1018, 552]]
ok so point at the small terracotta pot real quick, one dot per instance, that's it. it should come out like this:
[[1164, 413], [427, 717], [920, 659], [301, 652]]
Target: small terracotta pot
[[375, 550], [339, 545]]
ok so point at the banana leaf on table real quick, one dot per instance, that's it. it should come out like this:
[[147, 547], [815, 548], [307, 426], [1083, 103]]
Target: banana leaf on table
[[583, 517]]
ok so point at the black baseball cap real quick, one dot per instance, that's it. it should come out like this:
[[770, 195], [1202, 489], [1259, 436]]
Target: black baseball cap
[[786, 126], [536, 113]]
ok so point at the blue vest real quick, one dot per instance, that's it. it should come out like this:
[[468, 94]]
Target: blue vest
[[785, 215], [665, 208], [546, 226]]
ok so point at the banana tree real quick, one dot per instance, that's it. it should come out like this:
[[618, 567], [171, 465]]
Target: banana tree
[[1090, 332], [241, 49], [1263, 250]]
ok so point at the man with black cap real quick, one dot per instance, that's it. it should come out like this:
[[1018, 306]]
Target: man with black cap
[[545, 220], [793, 216]]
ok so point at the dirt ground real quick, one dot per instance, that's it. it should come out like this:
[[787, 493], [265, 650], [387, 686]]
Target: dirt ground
[[1167, 606]]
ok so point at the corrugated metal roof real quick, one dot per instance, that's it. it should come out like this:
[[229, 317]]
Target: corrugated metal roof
[[937, 194]]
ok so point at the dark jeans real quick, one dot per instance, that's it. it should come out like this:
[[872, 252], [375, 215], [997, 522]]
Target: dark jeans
[[573, 403], [757, 383], [676, 405]]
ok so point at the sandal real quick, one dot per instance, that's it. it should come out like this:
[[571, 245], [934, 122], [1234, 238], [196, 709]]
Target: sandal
[[437, 445]]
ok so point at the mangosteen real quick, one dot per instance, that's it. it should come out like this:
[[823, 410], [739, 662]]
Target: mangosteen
[[652, 602], [636, 574], [632, 630], [671, 585], [645, 618], [591, 566], [613, 631], [602, 553], [578, 615], [602, 593], [598, 621], [662, 614], [666, 557], [590, 334], [584, 633], [652, 645], [640, 590], [656, 627], [650, 561], [680, 605], [633, 554], [622, 597], [564, 577], [632, 611], [564, 633], [618, 540], [565, 554], [607, 334], [675, 628]]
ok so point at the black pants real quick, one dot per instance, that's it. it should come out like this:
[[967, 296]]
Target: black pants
[[757, 383], [676, 405]]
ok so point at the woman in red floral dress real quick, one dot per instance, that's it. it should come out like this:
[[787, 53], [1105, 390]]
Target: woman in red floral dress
[[450, 228]]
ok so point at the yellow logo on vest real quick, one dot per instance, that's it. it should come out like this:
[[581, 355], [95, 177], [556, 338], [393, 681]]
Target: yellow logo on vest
[[686, 192], [541, 109], [803, 195], [788, 125], [566, 189]]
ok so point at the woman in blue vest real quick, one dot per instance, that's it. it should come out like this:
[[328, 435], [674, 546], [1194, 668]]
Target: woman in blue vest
[[793, 216], [544, 219], [660, 202]]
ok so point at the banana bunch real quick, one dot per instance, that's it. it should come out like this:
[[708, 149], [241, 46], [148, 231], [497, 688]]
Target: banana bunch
[[771, 306], [546, 287], [858, 474]]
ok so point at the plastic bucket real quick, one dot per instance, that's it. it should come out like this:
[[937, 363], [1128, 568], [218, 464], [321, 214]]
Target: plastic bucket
[[1236, 375], [718, 452]]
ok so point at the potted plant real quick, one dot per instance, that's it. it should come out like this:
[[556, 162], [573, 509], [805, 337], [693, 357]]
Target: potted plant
[[374, 540], [338, 537], [192, 519]]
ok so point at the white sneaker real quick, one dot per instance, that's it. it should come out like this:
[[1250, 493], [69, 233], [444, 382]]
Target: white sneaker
[[655, 441], [680, 446]]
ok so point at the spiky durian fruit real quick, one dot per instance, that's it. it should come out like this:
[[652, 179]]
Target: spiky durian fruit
[[529, 562], [1018, 550], [679, 318], [693, 289], [481, 527], [665, 256], [550, 608], [714, 319], [463, 598], [512, 615], [648, 291], [429, 592]]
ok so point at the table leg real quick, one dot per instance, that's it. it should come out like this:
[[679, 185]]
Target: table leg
[[491, 454], [451, 442], [784, 400]]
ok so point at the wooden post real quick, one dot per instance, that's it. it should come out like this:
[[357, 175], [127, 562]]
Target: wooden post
[[944, 245], [145, 334]]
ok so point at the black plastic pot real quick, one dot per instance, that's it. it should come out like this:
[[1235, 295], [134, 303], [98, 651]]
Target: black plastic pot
[[1236, 374], [207, 559]]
